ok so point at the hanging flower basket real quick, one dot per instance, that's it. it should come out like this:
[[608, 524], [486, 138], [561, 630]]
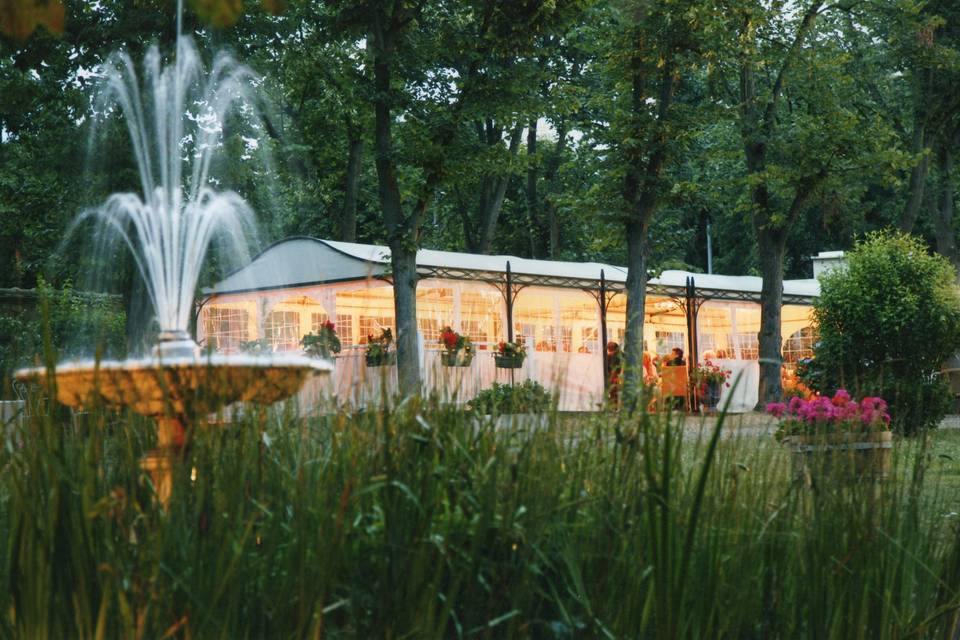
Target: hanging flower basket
[[456, 358], [379, 353], [458, 349], [381, 359], [508, 362], [510, 355]]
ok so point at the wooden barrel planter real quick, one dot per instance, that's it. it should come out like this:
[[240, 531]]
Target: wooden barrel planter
[[456, 359], [508, 362], [855, 455]]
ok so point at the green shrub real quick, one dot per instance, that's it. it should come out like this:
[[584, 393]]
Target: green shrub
[[887, 323], [528, 397], [78, 321]]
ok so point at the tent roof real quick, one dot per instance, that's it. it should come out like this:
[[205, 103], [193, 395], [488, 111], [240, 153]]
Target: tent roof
[[302, 261]]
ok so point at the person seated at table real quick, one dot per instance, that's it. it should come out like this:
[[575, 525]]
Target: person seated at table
[[676, 358], [649, 367]]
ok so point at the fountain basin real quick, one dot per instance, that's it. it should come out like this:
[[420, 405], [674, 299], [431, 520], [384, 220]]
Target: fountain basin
[[182, 386]]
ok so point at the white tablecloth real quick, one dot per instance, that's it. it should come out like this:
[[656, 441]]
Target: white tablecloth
[[744, 379]]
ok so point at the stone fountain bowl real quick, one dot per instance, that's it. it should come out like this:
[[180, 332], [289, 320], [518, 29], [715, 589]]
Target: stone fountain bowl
[[178, 386]]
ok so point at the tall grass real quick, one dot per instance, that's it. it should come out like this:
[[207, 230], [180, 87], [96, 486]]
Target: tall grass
[[419, 522]]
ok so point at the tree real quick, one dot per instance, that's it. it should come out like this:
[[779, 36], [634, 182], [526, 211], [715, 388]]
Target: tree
[[651, 48], [802, 134], [404, 43], [888, 320]]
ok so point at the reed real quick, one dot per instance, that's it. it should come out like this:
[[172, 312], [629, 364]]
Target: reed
[[419, 521]]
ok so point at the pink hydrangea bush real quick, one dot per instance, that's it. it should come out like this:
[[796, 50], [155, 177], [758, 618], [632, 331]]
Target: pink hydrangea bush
[[823, 415]]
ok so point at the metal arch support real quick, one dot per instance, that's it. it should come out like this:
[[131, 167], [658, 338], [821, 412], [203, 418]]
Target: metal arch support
[[603, 297], [509, 290]]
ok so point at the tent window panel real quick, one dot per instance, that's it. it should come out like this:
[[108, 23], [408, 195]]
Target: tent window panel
[[566, 339], [281, 330], [589, 340], [475, 329], [669, 340], [226, 329], [548, 341], [524, 332], [707, 342], [799, 345], [747, 345], [343, 326], [430, 328], [373, 325]]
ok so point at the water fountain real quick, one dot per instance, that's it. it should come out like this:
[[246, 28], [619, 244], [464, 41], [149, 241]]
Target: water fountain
[[175, 122]]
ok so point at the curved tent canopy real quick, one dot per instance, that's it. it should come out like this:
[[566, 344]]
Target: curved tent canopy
[[304, 261]]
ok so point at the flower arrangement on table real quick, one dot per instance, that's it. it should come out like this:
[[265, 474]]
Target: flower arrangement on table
[[707, 379], [379, 351], [324, 343], [510, 355], [823, 416], [710, 374], [457, 349]]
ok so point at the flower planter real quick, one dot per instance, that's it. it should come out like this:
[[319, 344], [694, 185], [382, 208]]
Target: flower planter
[[857, 455], [456, 359], [710, 395], [528, 422], [508, 362], [381, 359]]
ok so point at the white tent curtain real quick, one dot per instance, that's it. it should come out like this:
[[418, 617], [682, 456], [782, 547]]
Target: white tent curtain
[[560, 327]]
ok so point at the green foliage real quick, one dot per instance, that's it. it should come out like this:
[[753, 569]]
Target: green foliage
[[411, 523], [80, 324], [527, 397], [888, 321]]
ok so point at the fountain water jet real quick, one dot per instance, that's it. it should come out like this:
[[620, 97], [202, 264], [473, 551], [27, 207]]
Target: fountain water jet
[[174, 120]]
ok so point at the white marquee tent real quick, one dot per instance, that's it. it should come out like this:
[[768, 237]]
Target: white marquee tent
[[561, 310]]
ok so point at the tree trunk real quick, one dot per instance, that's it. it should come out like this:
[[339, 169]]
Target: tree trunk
[[402, 233], [945, 234], [403, 261], [772, 247], [531, 190], [636, 232], [492, 193], [918, 180], [348, 224], [549, 207]]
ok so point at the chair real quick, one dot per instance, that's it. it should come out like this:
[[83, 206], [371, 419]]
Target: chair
[[675, 383]]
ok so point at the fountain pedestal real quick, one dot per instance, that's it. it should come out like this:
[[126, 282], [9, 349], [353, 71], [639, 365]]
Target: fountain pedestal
[[171, 436], [173, 385]]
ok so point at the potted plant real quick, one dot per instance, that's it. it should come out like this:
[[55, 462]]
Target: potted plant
[[324, 343], [510, 355], [379, 352], [837, 430], [457, 349], [708, 379], [507, 405]]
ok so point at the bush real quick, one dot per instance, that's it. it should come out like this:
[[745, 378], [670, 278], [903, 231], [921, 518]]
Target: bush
[[80, 324], [528, 397], [887, 323]]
